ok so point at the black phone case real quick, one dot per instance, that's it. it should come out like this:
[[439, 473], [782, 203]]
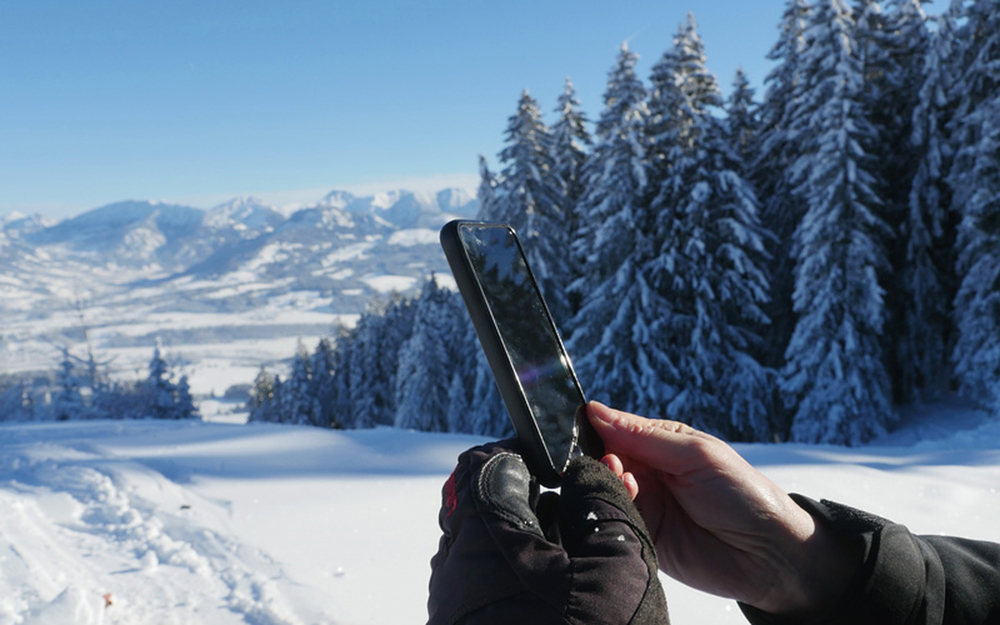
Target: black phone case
[[536, 454]]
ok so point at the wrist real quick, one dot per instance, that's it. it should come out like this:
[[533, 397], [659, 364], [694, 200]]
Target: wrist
[[815, 567]]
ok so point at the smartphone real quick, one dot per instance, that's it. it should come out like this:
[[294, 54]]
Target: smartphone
[[526, 355]]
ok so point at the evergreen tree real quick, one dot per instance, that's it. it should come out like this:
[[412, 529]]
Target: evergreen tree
[[340, 389], [423, 380], [296, 403], [613, 322], [570, 142], [893, 43], [322, 363], [488, 208], [777, 148], [709, 254], [461, 399], [488, 414], [68, 404], [742, 119], [160, 394], [529, 198], [373, 367], [834, 378], [927, 279], [261, 401], [185, 408], [975, 182]]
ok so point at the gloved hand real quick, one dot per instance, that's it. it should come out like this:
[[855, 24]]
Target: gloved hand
[[511, 556]]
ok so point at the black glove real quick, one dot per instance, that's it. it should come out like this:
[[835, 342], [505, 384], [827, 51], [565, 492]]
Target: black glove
[[509, 556]]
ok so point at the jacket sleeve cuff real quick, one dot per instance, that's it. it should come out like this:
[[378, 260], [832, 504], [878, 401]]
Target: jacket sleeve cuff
[[893, 576]]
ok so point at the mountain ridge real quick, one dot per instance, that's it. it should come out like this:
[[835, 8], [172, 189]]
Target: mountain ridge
[[131, 273]]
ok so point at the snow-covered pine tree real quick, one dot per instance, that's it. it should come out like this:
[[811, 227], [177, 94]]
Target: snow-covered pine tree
[[340, 384], [322, 363], [834, 378], [160, 394], [570, 143], [781, 212], [68, 403], [927, 280], [892, 43], [261, 400], [366, 381], [184, 407], [370, 375], [707, 269], [975, 182], [296, 403], [612, 323], [460, 392], [529, 197], [743, 119], [425, 360], [488, 414], [487, 192]]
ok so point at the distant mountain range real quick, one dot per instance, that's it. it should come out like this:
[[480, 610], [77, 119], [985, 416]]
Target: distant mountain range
[[242, 277]]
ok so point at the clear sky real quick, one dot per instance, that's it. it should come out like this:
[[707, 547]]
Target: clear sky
[[198, 101]]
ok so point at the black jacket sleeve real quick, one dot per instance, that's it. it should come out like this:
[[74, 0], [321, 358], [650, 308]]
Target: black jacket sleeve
[[904, 579]]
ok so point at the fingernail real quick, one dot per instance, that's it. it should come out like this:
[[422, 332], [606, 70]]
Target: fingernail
[[600, 412]]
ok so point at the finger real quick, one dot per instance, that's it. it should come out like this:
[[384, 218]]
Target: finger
[[668, 446], [631, 485], [614, 463]]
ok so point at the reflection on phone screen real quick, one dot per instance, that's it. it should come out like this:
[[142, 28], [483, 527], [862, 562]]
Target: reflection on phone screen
[[530, 339]]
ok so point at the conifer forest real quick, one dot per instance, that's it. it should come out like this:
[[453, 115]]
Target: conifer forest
[[795, 265]]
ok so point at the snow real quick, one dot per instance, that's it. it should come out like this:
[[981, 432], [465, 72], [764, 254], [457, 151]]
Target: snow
[[391, 284], [414, 236], [214, 522]]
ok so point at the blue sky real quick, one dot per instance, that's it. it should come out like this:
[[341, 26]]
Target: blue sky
[[200, 101]]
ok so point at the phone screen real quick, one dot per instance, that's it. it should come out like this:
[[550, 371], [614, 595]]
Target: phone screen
[[529, 336]]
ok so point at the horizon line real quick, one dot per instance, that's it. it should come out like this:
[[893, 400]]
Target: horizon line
[[282, 200]]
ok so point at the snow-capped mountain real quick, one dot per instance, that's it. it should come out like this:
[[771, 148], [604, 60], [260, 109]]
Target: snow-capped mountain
[[225, 290]]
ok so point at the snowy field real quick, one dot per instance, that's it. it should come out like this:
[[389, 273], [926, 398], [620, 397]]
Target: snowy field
[[216, 523]]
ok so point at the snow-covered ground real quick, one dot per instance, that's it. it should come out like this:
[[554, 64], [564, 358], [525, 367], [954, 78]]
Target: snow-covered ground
[[214, 522]]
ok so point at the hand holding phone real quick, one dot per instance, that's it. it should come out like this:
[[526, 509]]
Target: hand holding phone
[[530, 365]]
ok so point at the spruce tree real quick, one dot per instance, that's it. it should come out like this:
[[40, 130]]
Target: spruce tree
[[372, 369], [160, 393], [488, 414], [461, 400], [927, 279], [777, 148], [892, 43], [296, 402], [834, 378], [743, 120], [975, 182], [487, 192], [261, 396], [340, 385], [185, 408], [570, 142], [68, 404], [529, 198], [707, 266], [612, 323], [323, 366], [423, 380]]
